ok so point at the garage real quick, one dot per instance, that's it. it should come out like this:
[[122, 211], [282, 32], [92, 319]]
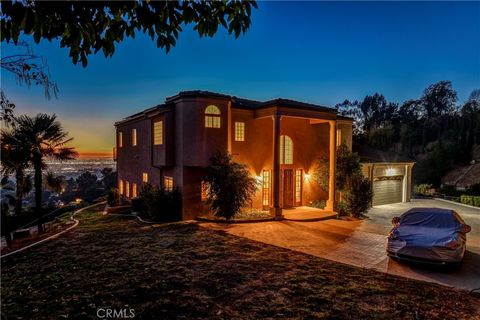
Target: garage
[[387, 190], [390, 174]]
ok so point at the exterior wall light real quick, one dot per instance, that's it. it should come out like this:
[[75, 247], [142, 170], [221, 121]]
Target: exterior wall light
[[306, 176], [390, 172]]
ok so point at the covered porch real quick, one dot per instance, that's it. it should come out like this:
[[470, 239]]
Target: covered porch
[[281, 115]]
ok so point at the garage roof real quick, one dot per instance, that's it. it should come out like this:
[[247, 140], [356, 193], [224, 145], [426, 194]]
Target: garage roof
[[371, 155]]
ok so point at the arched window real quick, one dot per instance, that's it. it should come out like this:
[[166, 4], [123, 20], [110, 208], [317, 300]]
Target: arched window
[[286, 150], [212, 117]]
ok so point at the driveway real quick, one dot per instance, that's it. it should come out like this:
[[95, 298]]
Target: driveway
[[362, 243]]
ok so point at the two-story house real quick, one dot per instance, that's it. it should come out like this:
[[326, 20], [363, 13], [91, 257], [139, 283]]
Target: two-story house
[[281, 142]]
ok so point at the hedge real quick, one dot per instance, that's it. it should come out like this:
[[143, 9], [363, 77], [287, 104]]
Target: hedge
[[470, 200]]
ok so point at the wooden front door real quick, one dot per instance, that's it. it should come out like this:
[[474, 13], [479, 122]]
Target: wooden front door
[[287, 187]]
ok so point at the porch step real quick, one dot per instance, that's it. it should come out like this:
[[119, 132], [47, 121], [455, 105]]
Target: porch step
[[307, 214]]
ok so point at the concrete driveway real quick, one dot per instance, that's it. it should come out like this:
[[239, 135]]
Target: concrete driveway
[[362, 243]]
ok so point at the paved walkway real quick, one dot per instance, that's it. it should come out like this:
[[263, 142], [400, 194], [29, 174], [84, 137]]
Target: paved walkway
[[307, 214], [362, 243]]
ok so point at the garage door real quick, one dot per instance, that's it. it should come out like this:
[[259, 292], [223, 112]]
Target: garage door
[[387, 190]]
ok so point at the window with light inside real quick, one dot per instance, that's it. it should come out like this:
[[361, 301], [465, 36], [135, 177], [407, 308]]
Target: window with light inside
[[212, 117]]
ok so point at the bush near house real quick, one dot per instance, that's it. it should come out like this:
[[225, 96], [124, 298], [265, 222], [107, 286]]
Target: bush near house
[[357, 196], [231, 185], [157, 204], [470, 200]]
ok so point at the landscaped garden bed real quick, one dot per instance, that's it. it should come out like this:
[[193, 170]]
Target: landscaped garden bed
[[242, 216], [182, 270]]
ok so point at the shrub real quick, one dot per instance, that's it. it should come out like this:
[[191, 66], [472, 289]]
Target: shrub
[[114, 198], [157, 204], [423, 189], [476, 201], [320, 204], [358, 196], [470, 200], [231, 185]]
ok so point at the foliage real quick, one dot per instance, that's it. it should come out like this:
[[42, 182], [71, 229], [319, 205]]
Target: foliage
[[348, 165], [423, 189], [88, 27], [319, 204], [358, 195], [44, 137], [470, 200], [6, 111], [114, 197], [54, 183], [87, 186], [231, 185], [29, 69], [109, 178], [157, 204], [432, 129]]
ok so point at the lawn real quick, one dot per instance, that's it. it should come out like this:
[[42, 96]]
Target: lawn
[[185, 271]]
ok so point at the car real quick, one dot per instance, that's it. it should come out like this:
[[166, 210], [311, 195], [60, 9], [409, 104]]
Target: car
[[428, 235]]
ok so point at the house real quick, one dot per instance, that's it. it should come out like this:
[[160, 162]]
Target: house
[[279, 140], [390, 174]]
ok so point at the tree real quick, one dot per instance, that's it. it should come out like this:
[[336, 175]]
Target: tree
[[15, 160], [88, 27], [87, 185], [348, 165], [45, 138], [438, 99], [109, 178], [358, 195], [231, 185], [29, 69], [54, 183]]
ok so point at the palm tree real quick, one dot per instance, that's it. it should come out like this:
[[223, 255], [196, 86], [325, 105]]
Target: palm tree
[[45, 138], [15, 159]]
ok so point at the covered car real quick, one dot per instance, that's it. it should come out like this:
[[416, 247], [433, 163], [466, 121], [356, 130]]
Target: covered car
[[430, 235]]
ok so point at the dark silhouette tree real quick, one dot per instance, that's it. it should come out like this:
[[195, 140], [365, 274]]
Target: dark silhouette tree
[[45, 138], [231, 185], [109, 178], [15, 160], [86, 27]]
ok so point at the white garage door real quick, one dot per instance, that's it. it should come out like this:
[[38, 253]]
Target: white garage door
[[387, 190]]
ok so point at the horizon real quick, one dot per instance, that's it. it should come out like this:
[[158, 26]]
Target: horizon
[[336, 59]]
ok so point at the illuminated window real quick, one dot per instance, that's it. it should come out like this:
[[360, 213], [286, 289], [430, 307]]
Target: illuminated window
[[120, 186], [205, 190], [145, 177], [266, 187], [127, 189], [134, 137], [239, 131], [298, 185], [134, 190], [168, 183], [339, 137], [120, 139], [158, 133], [212, 117], [286, 150]]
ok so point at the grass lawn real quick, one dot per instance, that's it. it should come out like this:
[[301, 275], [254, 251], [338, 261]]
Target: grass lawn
[[185, 271]]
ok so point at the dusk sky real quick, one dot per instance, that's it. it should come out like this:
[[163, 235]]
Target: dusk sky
[[316, 52]]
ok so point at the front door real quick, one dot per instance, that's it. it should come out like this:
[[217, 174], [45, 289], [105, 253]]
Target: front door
[[287, 188]]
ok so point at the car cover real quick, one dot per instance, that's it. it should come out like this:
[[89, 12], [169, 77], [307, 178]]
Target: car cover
[[424, 232]]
